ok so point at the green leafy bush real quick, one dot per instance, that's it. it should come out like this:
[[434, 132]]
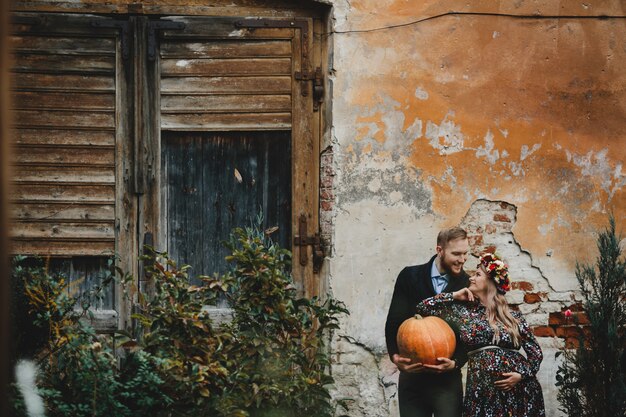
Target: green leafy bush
[[279, 351], [592, 378], [175, 326], [80, 375], [271, 359]]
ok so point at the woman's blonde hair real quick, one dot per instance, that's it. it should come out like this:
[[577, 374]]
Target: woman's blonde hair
[[498, 311]]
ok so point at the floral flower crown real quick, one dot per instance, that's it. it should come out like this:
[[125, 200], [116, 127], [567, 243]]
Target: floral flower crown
[[497, 270]]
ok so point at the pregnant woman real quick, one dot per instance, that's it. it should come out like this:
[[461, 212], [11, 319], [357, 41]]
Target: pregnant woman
[[500, 380]]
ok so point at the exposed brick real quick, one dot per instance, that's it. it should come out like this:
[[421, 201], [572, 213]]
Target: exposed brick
[[327, 195], [575, 307], [577, 318], [522, 285], [532, 297], [544, 331], [475, 240], [490, 229], [572, 334], [569, 331], [557, 319], [581, 318], [501, 218], [571, 343], [327, 205], [490, 249], [326, 181]]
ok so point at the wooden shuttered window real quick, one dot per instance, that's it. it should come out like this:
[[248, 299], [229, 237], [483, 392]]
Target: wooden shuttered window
[[102, 120], [64, 101], [237, 135]]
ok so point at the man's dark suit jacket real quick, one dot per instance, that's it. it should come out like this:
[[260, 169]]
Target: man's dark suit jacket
[[413, 285]]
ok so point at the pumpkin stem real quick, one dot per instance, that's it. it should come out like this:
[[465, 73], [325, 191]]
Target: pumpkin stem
[[418, 317]]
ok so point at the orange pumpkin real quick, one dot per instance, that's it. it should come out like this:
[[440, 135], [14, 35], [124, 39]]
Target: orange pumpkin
[[424, 339]]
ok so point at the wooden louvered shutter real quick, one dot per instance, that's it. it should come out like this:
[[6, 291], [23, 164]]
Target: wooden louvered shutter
[[217, 77], [67, 134], [64, 171]]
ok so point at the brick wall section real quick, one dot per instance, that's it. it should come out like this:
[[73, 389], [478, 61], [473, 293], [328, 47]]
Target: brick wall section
[[327, 197], [490, 228], [567, 328]]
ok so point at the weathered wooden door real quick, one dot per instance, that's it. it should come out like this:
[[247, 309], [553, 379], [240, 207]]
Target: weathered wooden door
[[237, 136]]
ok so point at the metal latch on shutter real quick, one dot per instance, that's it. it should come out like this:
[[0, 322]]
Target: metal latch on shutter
[[318, 85], [304, 74], [302, 241]]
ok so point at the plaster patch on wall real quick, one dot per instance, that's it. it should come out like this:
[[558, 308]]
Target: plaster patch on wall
[[375, 165], [377, 242], [599, 166], [525, 152], [358, 380], [421, 94], [516, 168], [544, 229], [445, 137], [488, 151], [364, 178], [381, 123]]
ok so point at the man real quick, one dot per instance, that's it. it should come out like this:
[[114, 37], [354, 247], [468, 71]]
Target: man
[[424, 390]]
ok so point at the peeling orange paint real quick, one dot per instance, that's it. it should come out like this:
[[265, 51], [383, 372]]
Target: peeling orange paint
[[529, 112], [379, 132]]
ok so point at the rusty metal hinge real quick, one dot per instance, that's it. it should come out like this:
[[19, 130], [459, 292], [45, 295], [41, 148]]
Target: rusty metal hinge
[[318, 85], [155, 25], [124, 27], [302, 241]]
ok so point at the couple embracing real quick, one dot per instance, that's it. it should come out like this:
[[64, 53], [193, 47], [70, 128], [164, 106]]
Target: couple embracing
[[500, 380]]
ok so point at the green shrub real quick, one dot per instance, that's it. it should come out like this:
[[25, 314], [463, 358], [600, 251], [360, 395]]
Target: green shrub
[[175, 327], [80, 375], [270, 360], [592, 378], [279, 339]]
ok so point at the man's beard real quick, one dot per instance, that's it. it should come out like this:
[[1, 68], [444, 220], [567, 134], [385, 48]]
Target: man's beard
[[446, 265]]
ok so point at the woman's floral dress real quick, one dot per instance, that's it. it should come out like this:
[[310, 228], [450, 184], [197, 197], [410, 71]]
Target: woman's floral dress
[[482, 398]]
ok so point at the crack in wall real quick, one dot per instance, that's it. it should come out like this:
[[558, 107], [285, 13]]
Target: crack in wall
[[357, 361], [474, 223]]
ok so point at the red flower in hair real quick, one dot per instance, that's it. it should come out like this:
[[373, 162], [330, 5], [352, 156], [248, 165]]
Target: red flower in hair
[[497, 269]]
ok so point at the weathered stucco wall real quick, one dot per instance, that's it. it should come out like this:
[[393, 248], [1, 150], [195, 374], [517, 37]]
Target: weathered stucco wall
[[507, 117]]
